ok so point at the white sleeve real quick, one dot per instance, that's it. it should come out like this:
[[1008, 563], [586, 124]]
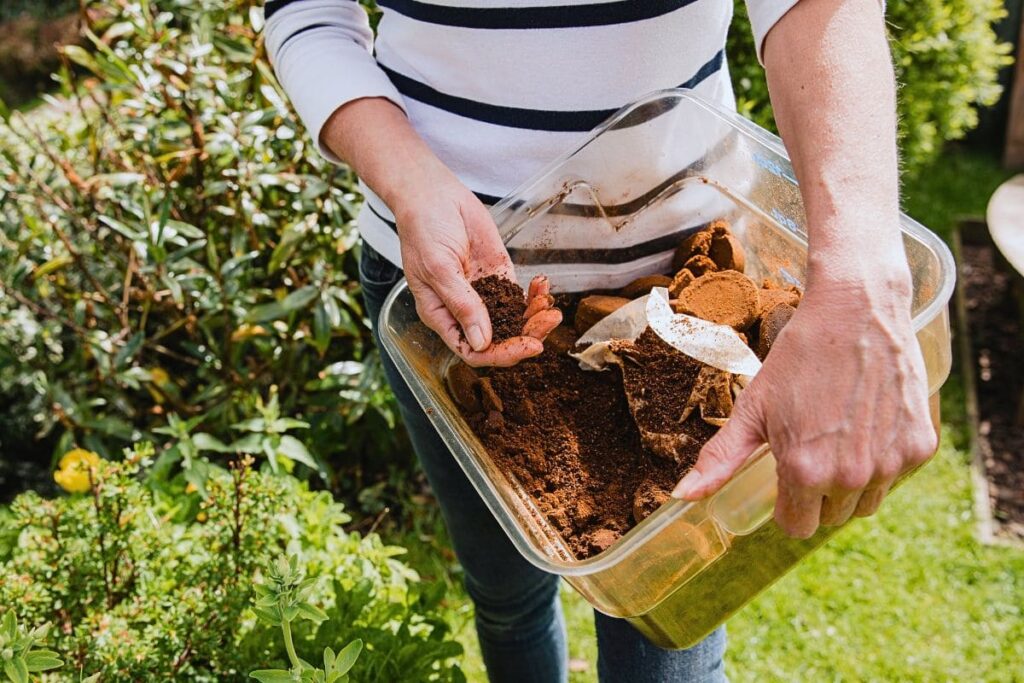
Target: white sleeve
[[322, 52], [764, 14]]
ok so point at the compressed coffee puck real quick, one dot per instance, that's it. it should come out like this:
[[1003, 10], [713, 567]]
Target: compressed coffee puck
[[771, 325], [595, 307], [727, 252], [726, 297], [643, 285], [462, 383]]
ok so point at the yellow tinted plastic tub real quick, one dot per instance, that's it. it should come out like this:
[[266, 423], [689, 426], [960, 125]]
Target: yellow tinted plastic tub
[[608, 212]]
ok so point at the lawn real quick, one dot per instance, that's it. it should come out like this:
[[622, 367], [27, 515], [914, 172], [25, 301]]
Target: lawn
[[906, 595]]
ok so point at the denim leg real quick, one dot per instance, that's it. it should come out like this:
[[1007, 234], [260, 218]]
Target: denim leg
[[519, 618], [625, 656]]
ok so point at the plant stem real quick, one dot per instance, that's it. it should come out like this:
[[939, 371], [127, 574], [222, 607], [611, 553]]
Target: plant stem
[[286, 628]]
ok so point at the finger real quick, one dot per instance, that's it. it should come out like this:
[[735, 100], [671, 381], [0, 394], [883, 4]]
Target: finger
[[465, 305], [797, 510], [538, 304], [871, 499], [507, 353], [837, 509], [541, 324], [725, 452], [437, 317], [539, 286]]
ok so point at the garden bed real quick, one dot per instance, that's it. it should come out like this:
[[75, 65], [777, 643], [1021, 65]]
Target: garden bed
[[989, 302]]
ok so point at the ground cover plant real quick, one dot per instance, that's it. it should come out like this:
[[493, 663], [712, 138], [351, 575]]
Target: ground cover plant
[[144, 577]]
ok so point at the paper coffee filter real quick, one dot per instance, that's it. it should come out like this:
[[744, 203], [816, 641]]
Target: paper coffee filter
[[716, 345]]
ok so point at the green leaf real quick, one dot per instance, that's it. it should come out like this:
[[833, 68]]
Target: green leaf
[[279, 309], [208, 442], [128, 351], [16, 670], [120, 228], [250, 443], [53, 264], [10, 625], [273, 676], [347, 657], [43, 660], [312, 613], [116, 179], [291, 237], [291, 447], [82, 57]]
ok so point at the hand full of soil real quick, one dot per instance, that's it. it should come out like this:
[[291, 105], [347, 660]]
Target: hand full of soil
[[506, 305], [598, 452]]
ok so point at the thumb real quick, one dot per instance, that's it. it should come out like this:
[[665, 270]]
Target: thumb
[[465, 306], [726, 451]]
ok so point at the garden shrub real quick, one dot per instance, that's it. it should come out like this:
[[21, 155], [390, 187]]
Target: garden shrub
[[947, 59], [171, 242], [147, 579]]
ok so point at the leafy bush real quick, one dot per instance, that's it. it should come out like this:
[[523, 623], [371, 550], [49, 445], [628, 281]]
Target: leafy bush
[[150, 580], [947, 60], [170, 241]]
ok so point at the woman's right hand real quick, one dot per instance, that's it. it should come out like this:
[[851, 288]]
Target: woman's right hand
[[448, 240]]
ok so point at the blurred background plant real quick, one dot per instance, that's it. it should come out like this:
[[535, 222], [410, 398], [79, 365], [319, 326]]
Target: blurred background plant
[[172, 243], [132, 567], [947, 58]]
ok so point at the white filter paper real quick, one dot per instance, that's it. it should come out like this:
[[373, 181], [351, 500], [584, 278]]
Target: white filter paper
[[717, 345]]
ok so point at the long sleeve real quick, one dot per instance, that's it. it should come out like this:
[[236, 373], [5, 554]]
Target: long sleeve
[[764, 14], [322, 52]]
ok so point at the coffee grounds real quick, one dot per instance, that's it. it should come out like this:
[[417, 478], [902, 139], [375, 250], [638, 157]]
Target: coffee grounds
[[506, 305], [658, 380], [568, 438]]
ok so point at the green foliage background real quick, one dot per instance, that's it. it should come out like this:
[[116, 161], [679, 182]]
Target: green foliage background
[[947, 60]]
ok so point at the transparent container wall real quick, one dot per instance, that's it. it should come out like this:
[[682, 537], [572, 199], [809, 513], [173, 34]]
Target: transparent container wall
[[613, 210]]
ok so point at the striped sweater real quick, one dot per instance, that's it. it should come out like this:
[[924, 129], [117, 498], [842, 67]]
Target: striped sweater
[[498, 89]]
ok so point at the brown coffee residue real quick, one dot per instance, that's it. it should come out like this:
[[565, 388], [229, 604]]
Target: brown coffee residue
[[506, 305], [598, 452]]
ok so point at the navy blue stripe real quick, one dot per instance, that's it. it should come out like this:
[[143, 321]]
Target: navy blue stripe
[[305, 29], [271, 7], [513, 117], [486, 199], [556, 16]]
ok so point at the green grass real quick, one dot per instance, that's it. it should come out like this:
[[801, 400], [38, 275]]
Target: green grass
[[906, 595]]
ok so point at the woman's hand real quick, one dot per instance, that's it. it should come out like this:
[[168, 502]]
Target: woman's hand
[[843, 402], [448, 240]]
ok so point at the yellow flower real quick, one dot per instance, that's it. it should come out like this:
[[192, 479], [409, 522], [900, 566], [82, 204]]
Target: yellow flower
[[72, 474], [201, 517]]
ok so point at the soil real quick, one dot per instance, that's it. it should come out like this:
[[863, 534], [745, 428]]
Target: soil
[[997, 332], [568, 437], [506, 305], [598, 452]]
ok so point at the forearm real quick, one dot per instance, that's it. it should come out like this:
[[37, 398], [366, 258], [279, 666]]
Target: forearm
[[375, 138], [833, 93]]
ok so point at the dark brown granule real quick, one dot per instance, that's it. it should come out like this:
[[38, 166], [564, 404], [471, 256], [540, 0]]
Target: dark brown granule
[[506, 305], [567, 436]]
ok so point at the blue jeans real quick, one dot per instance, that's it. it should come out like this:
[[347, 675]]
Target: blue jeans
[[519, 618]]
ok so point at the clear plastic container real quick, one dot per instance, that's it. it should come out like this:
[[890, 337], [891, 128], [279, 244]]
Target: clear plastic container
[[610, 211]]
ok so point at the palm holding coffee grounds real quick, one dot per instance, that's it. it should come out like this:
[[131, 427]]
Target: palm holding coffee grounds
[[506, 305]]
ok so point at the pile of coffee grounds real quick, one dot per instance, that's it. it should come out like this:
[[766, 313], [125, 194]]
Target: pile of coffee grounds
[[598, 452], [658, 380], [568, 438], [506, 305]]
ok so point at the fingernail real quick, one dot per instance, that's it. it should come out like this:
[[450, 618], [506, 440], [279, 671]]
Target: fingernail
[[475, 336], [686, 485]]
